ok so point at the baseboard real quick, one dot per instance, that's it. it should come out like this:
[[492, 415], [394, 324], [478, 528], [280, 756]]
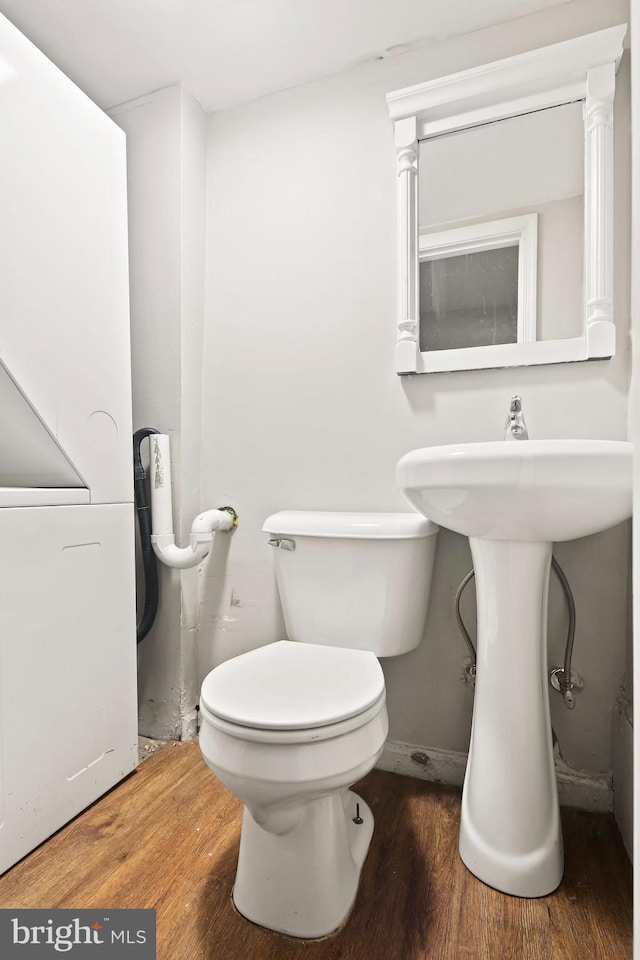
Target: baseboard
[[439, 766], [576, 788], [622, 748]]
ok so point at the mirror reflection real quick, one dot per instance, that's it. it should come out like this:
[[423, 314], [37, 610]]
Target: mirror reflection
[[469, 300], [473, 269]]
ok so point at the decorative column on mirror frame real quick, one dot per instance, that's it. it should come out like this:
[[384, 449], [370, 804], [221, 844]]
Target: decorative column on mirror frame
[[598, 256], [407, 347]]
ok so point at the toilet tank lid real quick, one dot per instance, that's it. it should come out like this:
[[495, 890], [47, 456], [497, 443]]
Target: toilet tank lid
[[360, 526]]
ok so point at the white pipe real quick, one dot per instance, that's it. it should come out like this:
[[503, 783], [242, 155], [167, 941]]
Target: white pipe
[[203, 528], [160, 470]]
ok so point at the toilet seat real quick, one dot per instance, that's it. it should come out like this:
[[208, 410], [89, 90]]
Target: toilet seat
[[289, 688], [285, 737]]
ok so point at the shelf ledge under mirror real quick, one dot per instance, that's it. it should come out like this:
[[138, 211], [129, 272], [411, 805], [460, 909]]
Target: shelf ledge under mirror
[[582, 71]]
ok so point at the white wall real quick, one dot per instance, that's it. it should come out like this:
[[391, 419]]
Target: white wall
[[166, 167], [631, 762], [192, 294], [301, 405]]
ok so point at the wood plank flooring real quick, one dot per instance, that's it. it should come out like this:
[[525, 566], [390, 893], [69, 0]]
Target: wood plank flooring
[[168, 838]]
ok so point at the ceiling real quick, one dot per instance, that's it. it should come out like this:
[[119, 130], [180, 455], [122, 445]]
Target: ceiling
[[229, 51]]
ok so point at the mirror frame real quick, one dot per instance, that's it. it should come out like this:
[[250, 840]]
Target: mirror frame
[[581, 69]]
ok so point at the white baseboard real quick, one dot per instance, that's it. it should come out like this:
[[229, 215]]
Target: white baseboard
[[575, 787]]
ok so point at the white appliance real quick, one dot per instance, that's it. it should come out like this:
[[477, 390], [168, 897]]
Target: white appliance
[[67, 602]]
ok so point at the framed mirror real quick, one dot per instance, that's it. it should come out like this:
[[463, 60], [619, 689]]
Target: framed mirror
[[505, 210]]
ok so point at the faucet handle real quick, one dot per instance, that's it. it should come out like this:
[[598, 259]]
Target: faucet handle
[[515, 427]]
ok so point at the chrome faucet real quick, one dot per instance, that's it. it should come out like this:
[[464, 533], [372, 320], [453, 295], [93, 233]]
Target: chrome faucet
[[515, 427]]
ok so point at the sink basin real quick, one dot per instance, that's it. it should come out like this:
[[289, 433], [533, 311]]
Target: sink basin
[[541, 490], [513, 500]]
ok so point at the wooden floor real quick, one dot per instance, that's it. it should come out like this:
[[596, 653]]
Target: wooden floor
[[168, 838]]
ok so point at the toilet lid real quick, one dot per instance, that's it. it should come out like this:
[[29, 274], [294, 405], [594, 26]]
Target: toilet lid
[[293, 686]]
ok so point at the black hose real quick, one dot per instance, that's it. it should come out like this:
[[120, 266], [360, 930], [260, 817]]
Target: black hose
[[143, 513]]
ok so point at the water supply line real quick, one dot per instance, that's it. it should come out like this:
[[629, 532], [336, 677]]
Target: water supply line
[[563, 675], [461, 625], [203, 527]]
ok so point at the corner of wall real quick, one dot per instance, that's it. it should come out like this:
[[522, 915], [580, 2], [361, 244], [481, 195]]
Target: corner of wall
[[166, 167], [622, 756]]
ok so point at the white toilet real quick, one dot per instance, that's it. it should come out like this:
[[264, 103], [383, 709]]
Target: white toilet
[[287, 728]]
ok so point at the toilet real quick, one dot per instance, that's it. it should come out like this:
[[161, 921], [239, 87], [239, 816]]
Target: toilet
[[289, 727]]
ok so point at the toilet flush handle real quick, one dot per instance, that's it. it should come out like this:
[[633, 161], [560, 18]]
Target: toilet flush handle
[[282, 543]]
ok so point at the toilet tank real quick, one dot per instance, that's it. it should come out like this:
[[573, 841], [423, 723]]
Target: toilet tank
[[359, 580]]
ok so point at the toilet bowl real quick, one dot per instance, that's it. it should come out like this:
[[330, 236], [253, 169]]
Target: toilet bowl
[[289, 727], [301, 851]]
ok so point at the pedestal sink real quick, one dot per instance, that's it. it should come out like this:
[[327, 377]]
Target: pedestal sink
[[513, 500]]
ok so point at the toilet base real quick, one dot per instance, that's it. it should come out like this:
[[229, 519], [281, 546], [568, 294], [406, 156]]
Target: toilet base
[[304, 882]]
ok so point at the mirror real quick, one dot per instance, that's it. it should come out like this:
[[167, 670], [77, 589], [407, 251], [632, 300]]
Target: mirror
[[510, 220], [505, 203]]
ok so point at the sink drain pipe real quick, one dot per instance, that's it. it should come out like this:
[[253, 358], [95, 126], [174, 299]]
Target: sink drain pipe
[[155, 523], [204, 526], [562, 674]]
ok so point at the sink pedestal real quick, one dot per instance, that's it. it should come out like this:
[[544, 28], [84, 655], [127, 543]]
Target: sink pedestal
[[513, 500], [510, 834]]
